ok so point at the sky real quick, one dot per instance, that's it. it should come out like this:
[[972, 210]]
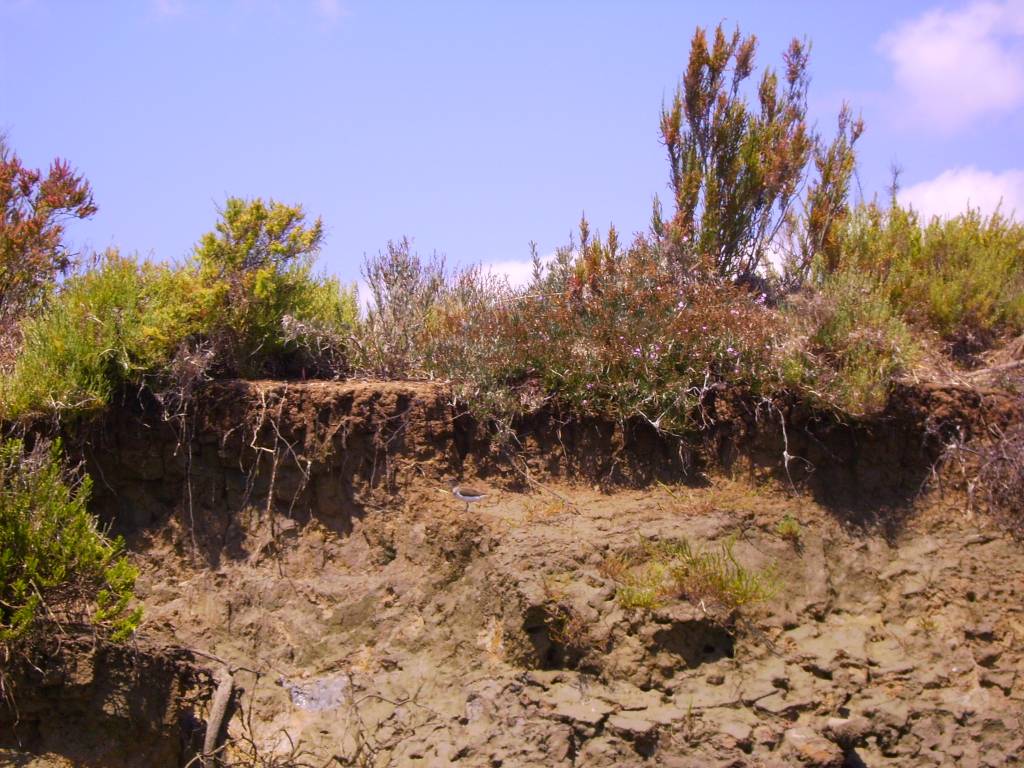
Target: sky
[[473, 128]]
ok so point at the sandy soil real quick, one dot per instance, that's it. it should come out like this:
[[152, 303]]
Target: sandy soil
[[433, 636]]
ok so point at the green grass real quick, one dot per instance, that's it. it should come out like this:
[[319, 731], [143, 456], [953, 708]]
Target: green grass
[[659, 571], [788, 529], [845, 345]]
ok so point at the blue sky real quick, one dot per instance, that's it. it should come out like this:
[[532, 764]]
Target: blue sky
[[471, 127]]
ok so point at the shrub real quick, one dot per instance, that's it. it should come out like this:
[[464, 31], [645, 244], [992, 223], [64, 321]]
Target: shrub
[[737, 170], [106, 327], [259, 300], [611, 332], [56, 566], [249, 298], [405, 290], [962, 277], [33, 212], [845, 345]]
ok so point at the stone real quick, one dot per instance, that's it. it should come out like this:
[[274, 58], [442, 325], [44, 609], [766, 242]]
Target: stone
[[811, 748], [630, 727], [848, 732]]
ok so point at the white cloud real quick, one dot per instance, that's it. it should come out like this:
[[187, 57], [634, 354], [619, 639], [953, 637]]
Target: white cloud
[[955, 66], [518, 273], [952, 191]]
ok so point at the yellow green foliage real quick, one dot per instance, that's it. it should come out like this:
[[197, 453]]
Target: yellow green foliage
[[962, 276], [55, 563], [248, 295], [845, 345], [657, 571]]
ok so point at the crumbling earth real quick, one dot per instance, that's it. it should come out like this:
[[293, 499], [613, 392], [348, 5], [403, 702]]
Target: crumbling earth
[[308, 545], [433, 637]]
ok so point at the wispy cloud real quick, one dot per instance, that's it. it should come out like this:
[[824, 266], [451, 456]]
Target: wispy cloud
[[954, 66], [952, 191], [517, 272]]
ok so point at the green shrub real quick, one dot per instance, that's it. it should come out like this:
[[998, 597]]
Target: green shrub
[[259, 299], [845, 345], [249, 297], [106, 327], [962, 277], [56, 566]]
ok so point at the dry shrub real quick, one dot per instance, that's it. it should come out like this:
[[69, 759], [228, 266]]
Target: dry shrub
[[998, 484], [604, 331]]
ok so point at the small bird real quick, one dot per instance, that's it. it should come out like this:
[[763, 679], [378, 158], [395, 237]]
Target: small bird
[[466, 494]]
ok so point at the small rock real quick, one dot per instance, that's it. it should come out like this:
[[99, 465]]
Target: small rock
[[981, 631], [784, 706], [629, 727], [811, 748], [995, 678], [847, 732], [589, 713], [740, 732]]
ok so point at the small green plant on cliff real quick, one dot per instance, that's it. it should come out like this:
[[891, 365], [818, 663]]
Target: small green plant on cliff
[[788, 529], [56, 567], [657, 571]]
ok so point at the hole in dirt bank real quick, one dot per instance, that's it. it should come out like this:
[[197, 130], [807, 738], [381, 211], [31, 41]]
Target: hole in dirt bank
[[558, 636], [696, 642]]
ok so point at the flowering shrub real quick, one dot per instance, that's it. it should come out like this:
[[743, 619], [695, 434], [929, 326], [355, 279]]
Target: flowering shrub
[[609, 332]]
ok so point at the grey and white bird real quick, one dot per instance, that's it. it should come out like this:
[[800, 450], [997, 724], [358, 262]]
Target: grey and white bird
[[467, 494]]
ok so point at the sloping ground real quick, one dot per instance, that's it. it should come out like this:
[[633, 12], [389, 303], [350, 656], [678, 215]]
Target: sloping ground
[[308, 541], [432, 637]]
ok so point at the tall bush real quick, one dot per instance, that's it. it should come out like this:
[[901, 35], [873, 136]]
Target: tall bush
[[736, 170]]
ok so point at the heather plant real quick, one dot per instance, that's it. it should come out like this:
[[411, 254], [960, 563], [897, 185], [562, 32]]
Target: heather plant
[[405, 291], [610, 331], [962, 277], [34, 209], [845, 345], [737, 169], [56, 565]]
